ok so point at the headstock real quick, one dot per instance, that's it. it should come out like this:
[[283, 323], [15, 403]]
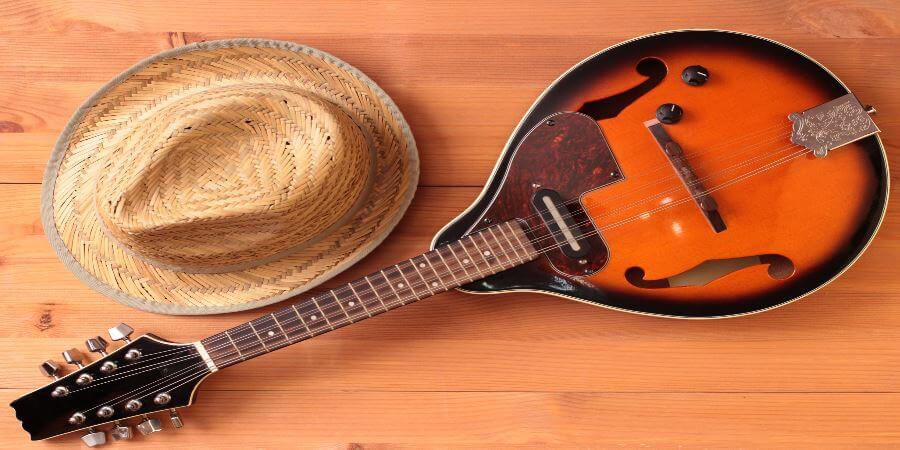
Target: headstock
[[144, 376]]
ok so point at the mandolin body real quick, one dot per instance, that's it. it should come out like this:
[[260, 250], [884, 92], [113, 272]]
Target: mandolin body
[[791, 222]]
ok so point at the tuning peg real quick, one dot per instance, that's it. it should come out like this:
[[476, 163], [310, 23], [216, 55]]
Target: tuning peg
[[73, 356], [94, 438], [149, 426], [121, 332], [175, 418], [96, 344], [50, 369], [121, 432]]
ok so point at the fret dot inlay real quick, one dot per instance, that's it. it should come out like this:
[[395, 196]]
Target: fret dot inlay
[[466, 261], [487, 253], [422, 265], [313, 317], [271, 333], [399, 285], [434, 283], [352, 303]]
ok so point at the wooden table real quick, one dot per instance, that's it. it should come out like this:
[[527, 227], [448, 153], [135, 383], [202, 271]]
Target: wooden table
[[460, 371]]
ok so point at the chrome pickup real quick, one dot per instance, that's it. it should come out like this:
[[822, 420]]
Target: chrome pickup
[[832, 124], [560, 221]]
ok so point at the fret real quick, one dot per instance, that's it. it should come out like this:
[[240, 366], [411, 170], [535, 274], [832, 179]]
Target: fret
[[351, 304], [409, 286], [300, 316], [511, 246], [480, 271], [261, 341], [436, 274], [418, 275], [247, 340], [313, 317], [498, 244], [488, 253], [230, 339], [341, 305], [479, 254], [391, 284], [377, 295], [287, 337], [463, 266], [267, 329], [451, 271], [437, 251], [362, 301], [292, 324], [516, 236], [319, 307]]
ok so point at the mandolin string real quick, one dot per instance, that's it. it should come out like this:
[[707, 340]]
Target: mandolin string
[[263, 349], [637, 188], [344, 318], [343, 321], [687, 158], [154, 385], [541, 250], [553, 236], [589, 205]]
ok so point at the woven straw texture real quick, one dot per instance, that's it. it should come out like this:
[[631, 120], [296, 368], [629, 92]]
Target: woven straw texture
[[227, 175]]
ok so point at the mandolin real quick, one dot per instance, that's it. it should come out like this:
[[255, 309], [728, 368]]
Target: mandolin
[[690, 174]]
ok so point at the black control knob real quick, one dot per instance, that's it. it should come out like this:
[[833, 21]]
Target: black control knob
[[695, 75], [669, 113]]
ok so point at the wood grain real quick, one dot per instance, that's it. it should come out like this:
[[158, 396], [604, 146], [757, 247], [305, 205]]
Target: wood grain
[[461, 371]]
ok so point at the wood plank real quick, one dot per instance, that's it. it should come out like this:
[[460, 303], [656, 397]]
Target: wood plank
[[461, 371], [461, 109], [819, 18], [840, 339], [535, 420]]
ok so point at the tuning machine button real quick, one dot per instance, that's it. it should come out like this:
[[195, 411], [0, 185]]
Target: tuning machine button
[[149, 426], [175, 418], [77, 419], [105, 412], [133, 404], [94, 438], [98, 345], [50, 368], [121, 432], [84, 379], [163, 398], [59, 392], [74, 357], [133, 355], [121, 332]]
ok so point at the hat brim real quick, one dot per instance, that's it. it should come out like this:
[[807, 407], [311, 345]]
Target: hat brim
[[115, 272]]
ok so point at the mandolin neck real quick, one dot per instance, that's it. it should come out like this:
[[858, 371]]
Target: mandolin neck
[[476, 256]]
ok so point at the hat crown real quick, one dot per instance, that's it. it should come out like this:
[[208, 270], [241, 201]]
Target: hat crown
[[227, 179]]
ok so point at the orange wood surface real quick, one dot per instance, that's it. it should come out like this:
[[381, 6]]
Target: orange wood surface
[[463, 371]]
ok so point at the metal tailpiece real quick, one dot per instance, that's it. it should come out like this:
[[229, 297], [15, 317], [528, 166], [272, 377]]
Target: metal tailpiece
[[832, 124]]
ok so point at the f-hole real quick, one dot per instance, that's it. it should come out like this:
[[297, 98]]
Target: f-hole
[[605, 108]]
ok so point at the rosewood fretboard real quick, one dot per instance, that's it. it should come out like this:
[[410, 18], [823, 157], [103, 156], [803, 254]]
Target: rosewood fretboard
[[476, 256]]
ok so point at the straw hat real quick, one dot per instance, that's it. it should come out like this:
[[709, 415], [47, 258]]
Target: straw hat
[[227, 175]]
